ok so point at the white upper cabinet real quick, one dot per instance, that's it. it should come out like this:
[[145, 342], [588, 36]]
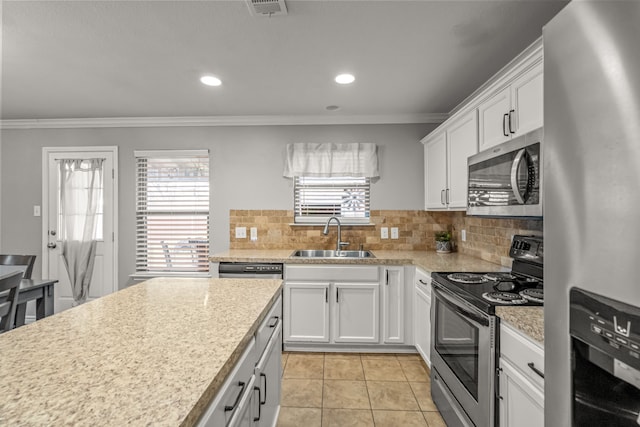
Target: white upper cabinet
[[463, 142], [514, 110], [508, 105], [435, 161], [493, 114], [527, 101], [446, 156]]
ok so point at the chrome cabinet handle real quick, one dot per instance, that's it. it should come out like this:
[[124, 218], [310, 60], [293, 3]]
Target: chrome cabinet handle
[[447, 196], [534, 369], [326, 294], [510, 128], [442, 197], [52, 245], [504, 124], [514, 175]]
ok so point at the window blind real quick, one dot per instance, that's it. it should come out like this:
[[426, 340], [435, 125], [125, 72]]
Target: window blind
[[172, 211], [317, 199]]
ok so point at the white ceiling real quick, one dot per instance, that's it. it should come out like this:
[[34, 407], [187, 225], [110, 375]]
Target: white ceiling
[[106, 59]]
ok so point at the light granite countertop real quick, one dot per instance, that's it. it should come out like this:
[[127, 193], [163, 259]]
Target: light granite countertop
[[152, 354], [429, 261], [529, 320]]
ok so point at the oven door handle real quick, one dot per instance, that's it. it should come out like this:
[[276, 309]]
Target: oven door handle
[[454, 306]]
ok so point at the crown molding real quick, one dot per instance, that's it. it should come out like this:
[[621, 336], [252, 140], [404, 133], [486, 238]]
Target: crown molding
[[119, 122]]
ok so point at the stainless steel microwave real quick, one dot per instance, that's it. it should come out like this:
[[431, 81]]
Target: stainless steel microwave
[[506, 180]]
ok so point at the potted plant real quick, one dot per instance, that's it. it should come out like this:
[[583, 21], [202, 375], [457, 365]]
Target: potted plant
[[443, 241]]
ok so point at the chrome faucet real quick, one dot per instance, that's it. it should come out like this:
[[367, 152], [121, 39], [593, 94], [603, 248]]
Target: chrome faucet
[[339, 242]]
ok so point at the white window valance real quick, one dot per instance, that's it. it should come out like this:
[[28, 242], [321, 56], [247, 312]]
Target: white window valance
[[331, 160]]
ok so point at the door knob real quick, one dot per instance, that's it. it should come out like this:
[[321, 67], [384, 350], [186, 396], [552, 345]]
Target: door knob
[[51, 245]]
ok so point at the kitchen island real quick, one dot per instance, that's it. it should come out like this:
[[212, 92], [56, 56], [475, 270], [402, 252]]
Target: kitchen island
[[156, 353]]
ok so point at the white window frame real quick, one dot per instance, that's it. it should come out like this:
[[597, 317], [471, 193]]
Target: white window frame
[[303, 216], [196, 248]]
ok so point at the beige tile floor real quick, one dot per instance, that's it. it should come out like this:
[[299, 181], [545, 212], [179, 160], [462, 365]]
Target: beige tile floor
[[353, 390]]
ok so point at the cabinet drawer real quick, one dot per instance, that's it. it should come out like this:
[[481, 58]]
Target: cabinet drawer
[[332, 272], [523, 353], [268, 326]]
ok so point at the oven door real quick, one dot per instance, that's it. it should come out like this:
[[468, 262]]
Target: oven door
[[506, 179], [463, 355]]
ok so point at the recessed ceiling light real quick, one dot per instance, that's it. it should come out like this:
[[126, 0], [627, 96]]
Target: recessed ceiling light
[[345, 79], [210, 81], [332, 107]]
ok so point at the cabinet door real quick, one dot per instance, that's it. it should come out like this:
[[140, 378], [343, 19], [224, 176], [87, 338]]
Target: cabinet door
[[462, 139], [422, 324], [306, 312], [435, 163], [521, 403], [356, 308], [492, 124], [268, 376], [527, 101], [393, 305]]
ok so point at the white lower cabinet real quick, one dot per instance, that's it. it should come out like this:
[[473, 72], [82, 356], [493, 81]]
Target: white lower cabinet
[[521, 385], [306, 311], [250, 396], [393, 308], [356, 313], [521, 402], [347, 306], [422, 315], [338, 312]]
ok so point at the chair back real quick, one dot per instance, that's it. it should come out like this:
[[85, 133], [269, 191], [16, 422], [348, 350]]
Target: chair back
[[9, 282], [25, 261]]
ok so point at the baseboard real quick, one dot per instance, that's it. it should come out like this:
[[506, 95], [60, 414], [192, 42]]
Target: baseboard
[[350, 348]]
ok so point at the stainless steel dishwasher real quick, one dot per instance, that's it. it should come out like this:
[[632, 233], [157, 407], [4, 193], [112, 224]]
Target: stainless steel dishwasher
[[249, 270]]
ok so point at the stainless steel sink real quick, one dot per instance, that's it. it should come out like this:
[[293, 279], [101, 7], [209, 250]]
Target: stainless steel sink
[[300, 253]]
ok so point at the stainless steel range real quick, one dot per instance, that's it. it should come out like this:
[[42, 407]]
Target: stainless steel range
[[464, 331]]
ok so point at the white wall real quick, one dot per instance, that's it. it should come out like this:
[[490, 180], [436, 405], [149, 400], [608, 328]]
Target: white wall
[[246, 173]]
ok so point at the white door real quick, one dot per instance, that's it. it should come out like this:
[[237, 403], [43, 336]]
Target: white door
[[306, 312], [493, 119], [104, 276], [435, 160], [422, 324], [356, 313], [521, 403], [527, 98], [462, 142], [393, 305]]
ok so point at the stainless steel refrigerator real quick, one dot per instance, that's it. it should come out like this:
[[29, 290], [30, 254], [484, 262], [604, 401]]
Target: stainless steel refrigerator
[[592, 180]]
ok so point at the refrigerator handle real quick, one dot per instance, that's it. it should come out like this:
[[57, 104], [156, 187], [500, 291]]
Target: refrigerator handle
[[514, 175]]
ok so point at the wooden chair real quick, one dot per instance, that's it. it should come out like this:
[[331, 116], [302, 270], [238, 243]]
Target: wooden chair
[[25, 261], [9, 282]]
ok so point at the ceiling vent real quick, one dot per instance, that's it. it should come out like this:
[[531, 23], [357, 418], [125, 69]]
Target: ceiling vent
[[267, 7]]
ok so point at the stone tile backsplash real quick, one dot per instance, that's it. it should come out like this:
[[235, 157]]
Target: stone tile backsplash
[[487, 238]]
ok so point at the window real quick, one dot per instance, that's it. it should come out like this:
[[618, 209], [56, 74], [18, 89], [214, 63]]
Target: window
[[317, 199], [172, 211]]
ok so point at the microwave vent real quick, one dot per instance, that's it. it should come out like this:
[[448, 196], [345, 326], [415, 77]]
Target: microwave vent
[[267, 7]]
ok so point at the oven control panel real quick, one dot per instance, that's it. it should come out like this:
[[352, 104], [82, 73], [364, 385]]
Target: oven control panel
[[527, 248], [611, 326]]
